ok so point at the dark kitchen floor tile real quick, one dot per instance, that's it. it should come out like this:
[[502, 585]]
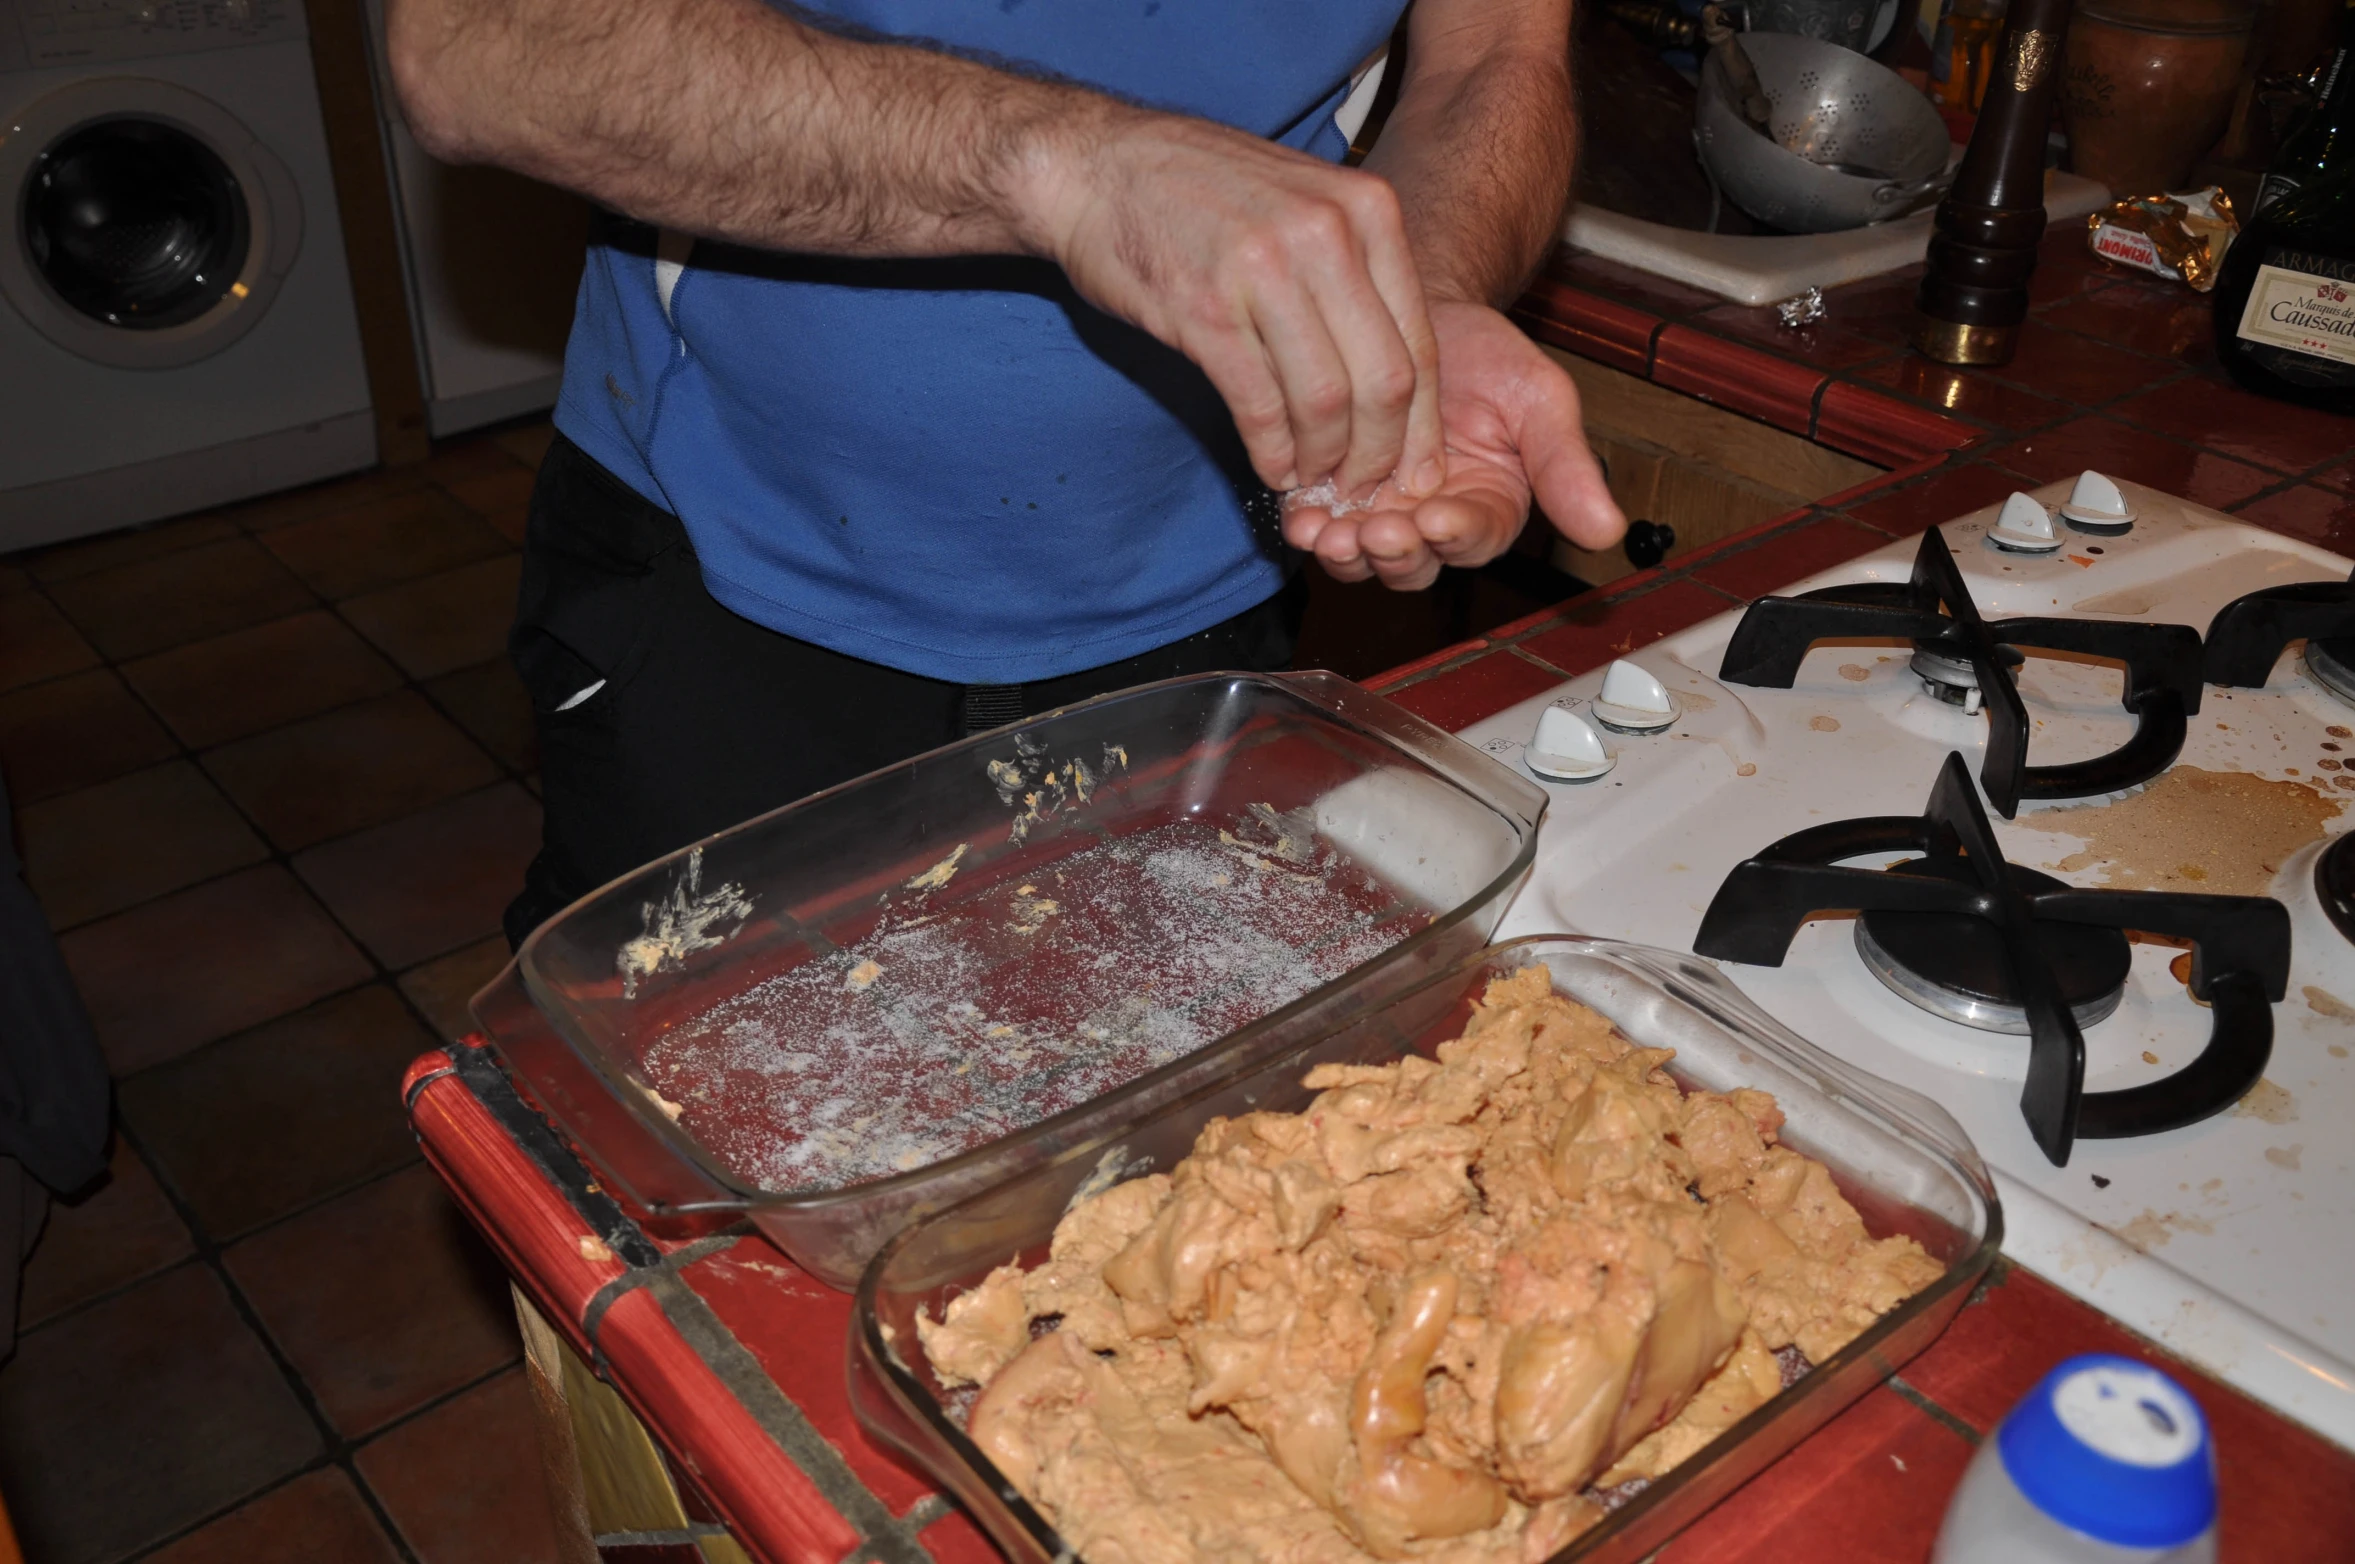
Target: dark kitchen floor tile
[[444, 622], [459, 458], [2307, 511], [255, 1126], [206, 962], [501, 498], [2273, 434], [491, 703], [347, 769], [1965, 393], [441, 988], [462, 1483], [130, 610], [383, 543], [1943, 495], [433, 881], [36, 643], [2107, 445], [63, 561], [100, 849], [123, 1423], [117, 1233], [319, 1518], [1775, 562], [2077, 369], [384, 1299], [242, 683], [1870, 1484], [2340, 478], [70, 732], [527, 443], [320, 499]]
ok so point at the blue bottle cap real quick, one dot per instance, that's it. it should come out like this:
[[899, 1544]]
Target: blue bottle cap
[[2115, 1449]]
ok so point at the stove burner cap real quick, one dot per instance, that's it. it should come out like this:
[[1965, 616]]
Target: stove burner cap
[[1951, 964], [2332, 663], [1952, 679]]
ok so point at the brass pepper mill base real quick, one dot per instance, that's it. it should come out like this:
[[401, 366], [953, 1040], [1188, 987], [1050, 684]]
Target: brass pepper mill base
[[1974, 292], [1951, 342]]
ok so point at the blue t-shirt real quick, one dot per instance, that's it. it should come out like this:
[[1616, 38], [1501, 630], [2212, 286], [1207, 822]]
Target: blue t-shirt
[[955, 467]]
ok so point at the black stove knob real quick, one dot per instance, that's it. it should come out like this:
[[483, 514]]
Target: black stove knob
[[1648, 543]]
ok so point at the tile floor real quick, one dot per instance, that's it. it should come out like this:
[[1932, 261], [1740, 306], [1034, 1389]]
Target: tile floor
[[273, 780]]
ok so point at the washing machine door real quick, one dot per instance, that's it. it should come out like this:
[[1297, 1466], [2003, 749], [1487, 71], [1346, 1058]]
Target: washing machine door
[[149, 228]]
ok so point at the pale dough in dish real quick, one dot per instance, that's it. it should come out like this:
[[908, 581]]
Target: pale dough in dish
[[1423, 1317]]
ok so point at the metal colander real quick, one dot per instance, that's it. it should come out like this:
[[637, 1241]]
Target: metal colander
[[1853, 143]]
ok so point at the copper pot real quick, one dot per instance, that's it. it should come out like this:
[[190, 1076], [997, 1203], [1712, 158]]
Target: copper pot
[[2149, 86]]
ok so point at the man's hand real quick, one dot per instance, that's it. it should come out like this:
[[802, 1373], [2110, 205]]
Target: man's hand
[[1288, 280], [1513, 426]]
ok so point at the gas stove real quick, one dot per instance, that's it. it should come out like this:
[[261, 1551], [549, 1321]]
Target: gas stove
[[2011, 757]]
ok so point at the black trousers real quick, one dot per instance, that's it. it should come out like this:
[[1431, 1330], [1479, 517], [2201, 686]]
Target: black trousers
[[701, 719]]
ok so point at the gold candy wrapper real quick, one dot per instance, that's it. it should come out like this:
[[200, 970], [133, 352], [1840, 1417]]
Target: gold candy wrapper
[[2174, 235]]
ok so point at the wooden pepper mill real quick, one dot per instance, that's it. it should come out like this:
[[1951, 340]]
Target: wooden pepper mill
[[1975, 293]]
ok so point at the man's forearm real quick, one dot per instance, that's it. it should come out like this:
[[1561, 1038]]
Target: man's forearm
[[731, 120], [1481, 143]]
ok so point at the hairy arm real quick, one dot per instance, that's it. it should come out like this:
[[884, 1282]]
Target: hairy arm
[[1481, 143], [731, 120], [1292, 283], [1479, 147]]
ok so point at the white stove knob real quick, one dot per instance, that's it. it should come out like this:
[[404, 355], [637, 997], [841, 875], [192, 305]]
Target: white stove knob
[[2095, 505], [2025, 527], [1633, 701], [1567, 748]]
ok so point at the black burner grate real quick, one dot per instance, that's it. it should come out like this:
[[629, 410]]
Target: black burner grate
[[2240, 951], [1934, 611], [2249, 634]]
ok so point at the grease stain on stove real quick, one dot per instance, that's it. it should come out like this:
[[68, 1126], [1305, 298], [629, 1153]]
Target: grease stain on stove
[[1822, 724], [1746, 769], [2156, 1229], [1855, 673], [2236, 830], [2266, 1100], [2325, 1003], [2285, 1156]]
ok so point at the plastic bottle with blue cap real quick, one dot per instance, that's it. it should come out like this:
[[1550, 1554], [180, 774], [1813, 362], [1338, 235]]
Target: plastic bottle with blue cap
[[2105, 1462]]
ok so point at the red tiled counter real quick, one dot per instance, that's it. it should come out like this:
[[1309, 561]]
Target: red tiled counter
[[735, 1359]]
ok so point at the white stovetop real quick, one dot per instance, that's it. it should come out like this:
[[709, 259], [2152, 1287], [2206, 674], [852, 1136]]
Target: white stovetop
[[2233, 1240]]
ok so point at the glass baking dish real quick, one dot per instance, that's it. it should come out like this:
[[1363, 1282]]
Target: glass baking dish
[[1899, 1158], [879, 1000]]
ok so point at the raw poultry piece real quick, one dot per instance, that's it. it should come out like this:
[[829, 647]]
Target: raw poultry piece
[[1424, 1317]]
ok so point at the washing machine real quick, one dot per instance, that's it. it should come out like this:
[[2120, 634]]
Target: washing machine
[[176, 322]]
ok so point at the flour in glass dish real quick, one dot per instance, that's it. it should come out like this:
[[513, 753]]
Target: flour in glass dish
[[937, 1033]]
